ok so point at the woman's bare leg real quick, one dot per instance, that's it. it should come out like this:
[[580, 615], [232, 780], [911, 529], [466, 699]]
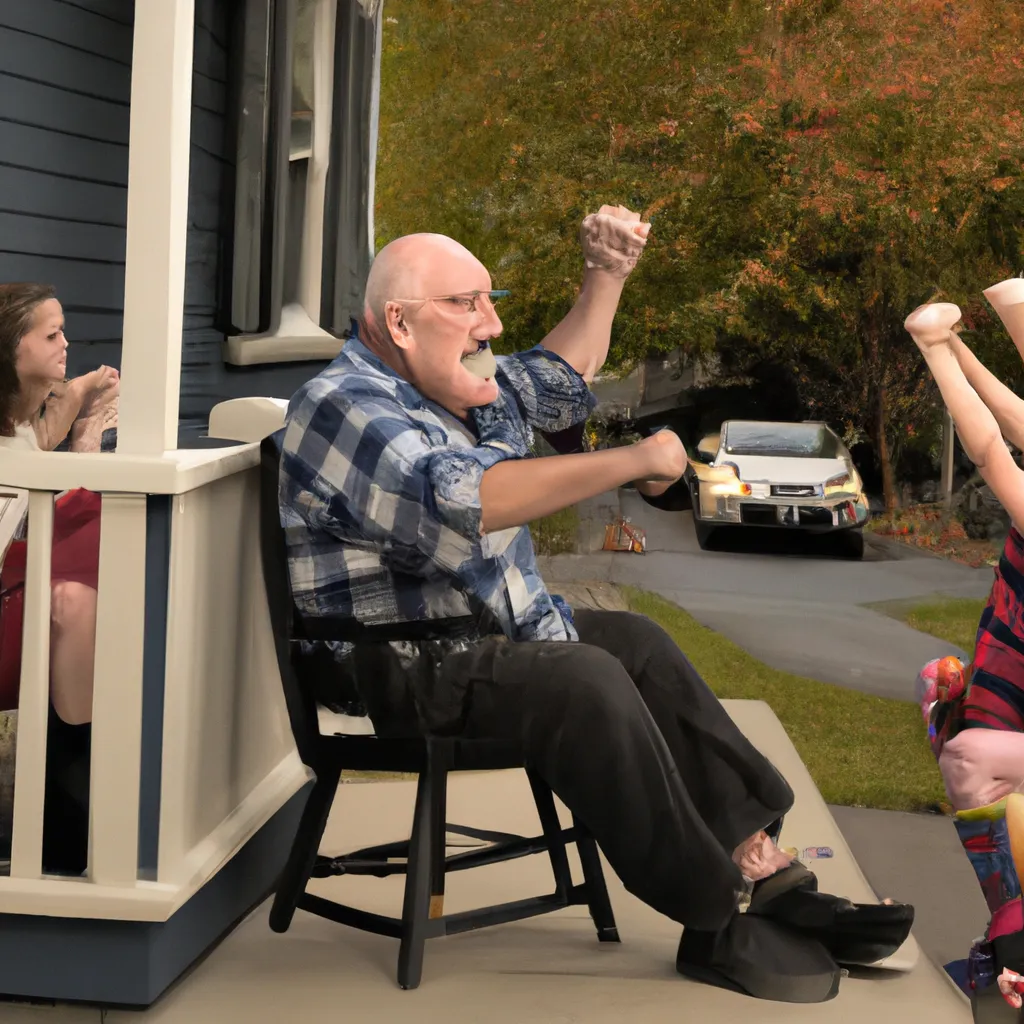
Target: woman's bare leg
[[932, 329], [1006, 406], [72, 650]]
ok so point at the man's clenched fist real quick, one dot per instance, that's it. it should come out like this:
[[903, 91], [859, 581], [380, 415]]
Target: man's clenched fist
[[613, 239]]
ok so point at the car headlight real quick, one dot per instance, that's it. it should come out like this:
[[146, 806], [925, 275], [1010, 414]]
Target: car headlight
[[731, 485], [839, 484]]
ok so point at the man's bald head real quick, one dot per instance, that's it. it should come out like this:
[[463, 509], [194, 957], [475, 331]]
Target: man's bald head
[[429, 343], [412, 267]]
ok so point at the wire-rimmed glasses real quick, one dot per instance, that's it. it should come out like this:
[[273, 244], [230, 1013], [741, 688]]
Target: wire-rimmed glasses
[[464, 303]]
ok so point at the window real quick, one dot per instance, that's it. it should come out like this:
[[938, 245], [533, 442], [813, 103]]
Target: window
[[306, 84]]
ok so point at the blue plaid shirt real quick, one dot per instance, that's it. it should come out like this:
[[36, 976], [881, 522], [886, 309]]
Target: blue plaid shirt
[[380, 495]]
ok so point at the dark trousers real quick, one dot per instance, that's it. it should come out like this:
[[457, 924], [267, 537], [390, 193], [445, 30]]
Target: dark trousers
[[631, 739]]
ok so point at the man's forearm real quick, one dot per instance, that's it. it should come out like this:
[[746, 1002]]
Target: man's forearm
[[515, 492], [1005, 406], [583, 336]]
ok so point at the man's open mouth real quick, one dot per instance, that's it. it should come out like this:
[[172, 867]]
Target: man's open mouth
[[481, 363]]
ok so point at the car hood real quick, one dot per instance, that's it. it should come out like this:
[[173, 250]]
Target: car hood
[[778, 469]]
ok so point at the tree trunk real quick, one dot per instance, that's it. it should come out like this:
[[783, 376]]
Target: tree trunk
[[882, 443], [880, 408]]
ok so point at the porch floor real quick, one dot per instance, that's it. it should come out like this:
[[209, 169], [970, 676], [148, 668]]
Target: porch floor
[[549, 970]]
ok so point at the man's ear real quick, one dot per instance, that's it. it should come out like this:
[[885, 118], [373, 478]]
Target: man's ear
[[397, 329]]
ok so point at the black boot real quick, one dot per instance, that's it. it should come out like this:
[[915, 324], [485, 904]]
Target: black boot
[[760, 958], [854, 933], [66, 804]]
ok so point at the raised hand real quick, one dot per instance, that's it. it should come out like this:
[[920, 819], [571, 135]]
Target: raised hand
[[101, 387], [613, 239], [99, 391]]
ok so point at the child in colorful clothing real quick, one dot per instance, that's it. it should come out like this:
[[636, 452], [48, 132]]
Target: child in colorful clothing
[[976, 721]]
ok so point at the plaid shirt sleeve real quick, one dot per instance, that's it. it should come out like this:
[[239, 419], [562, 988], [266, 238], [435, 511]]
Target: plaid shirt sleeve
[[551, 395], [368, 474]]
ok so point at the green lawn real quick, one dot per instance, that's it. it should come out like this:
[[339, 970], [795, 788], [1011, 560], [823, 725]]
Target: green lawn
[[556, 534], [952, 619], [861, 751]]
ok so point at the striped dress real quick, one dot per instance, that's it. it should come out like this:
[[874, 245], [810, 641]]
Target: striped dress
[[995, 698]]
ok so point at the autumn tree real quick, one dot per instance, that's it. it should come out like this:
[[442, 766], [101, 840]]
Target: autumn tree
[[882, 175], [814, 170]]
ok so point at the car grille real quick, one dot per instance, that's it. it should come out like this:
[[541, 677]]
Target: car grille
[[769, 515], [794, 491], [758, 515]]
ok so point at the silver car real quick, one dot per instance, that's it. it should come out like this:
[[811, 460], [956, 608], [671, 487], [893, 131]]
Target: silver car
[[789, 475]]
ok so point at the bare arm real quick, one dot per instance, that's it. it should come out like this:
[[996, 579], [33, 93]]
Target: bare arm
[[87, 431], [515, 492], [612, 240], [62, 409], [1004, 405], [80, 406], [582, 338]]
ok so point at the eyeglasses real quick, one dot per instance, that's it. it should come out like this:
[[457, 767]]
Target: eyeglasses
[[464, 303]]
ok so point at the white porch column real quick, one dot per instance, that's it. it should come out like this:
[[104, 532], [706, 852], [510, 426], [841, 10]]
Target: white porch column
[[158, 169]]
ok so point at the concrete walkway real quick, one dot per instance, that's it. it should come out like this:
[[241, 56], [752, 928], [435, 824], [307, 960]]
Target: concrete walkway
[[549, 970], [917, 858]]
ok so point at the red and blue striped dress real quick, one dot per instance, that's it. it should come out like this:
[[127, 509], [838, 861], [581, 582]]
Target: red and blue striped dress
[[995, 699]]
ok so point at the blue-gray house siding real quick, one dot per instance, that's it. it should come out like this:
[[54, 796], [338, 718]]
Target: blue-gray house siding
[[65, 86], [65, 90]]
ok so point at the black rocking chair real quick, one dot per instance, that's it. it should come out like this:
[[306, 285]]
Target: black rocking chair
[[422, 858]]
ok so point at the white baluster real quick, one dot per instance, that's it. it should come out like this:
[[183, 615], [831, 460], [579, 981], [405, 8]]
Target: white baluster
[[34, 696], [117, 692]]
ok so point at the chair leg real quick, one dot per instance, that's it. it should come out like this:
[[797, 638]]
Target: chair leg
[[305, 847], [597, 892], [438, 835], [552, 828], [421, 873]]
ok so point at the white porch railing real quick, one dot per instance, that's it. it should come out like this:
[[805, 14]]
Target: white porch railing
[[227, 761]]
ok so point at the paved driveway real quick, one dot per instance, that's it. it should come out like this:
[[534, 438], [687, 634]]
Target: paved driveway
[[794, 605]]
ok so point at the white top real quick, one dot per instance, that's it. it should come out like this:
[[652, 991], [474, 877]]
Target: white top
[[24, 439], [14, 501]]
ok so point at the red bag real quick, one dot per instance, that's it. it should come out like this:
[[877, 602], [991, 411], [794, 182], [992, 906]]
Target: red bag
[[75, 557]]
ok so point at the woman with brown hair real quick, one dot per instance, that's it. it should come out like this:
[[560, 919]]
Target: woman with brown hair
[[39, 409]]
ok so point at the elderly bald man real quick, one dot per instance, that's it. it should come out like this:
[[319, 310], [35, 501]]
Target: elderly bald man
[[407, 484]]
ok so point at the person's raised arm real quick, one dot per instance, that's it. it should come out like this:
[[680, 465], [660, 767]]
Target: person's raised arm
[[515, 492], [612, 241], [70, 400]]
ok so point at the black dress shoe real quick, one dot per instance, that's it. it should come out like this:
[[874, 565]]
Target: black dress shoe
[[760, 958], [854, 933]]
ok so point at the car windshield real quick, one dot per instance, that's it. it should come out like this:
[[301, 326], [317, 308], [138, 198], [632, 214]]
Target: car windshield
[[791, 440]]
